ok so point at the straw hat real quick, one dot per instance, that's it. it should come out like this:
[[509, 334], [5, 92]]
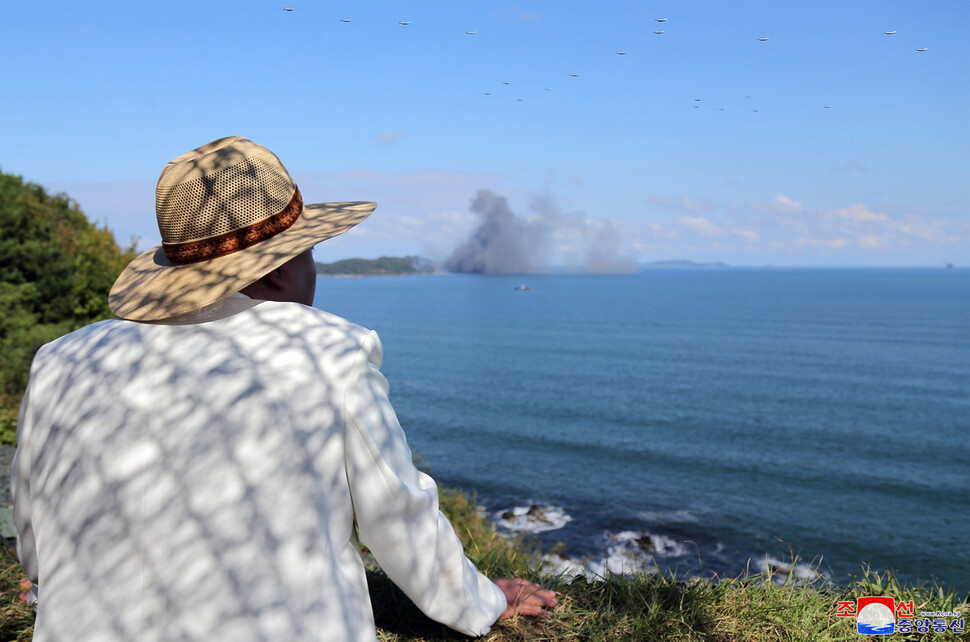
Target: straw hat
[[228, 213]]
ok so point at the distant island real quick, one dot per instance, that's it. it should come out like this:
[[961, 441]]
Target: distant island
[[384, 266], [397, 266], [682, 264]]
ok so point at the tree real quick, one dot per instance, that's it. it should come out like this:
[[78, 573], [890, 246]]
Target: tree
[[56, 269]]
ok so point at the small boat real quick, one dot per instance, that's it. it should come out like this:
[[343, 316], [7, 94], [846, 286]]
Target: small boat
[[522, 288]]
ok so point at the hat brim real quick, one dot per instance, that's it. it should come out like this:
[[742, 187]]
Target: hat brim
[[152, 288]]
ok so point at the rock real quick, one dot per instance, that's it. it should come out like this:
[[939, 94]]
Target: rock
[[538, 514], [646, 544]]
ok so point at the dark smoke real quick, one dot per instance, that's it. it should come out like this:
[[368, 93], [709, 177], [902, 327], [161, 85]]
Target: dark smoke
[[501, 244], [504, 243]]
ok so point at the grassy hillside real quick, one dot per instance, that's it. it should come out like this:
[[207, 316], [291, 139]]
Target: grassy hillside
[[634, 609]]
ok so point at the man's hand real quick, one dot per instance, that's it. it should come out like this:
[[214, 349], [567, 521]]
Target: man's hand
[[526, 598], [25, 586]]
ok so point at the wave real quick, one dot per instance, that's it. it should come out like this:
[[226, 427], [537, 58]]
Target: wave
[[532, 519], [636, 552], [780, 572], [625, 553]]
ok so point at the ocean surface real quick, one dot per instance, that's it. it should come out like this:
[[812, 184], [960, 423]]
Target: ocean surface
[[704, 422]]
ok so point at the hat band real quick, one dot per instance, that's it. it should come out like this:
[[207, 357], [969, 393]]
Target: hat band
[[223, 244]]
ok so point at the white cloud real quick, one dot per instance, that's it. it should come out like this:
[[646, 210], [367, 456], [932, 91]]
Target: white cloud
[[427, 212], [872, 241], [700, 225], [780, 204], [831, 243], [685, 205], [860, 212], [747, 235], [786, 229], [931, 230]]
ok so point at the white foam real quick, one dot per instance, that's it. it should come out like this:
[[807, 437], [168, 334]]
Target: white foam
[[566, 566], [533, 518], [779, 571], [647, 545], [626, 553]]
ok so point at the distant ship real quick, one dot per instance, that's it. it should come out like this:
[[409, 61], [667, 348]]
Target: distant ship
[[522, 287]]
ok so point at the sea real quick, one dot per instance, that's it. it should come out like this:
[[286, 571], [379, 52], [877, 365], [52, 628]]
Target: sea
[[701, 422]]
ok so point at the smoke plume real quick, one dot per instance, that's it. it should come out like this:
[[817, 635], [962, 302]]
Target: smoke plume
[[502, 243], [505, 243]]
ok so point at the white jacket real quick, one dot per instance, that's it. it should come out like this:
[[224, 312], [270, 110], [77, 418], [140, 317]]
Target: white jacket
[[201, 479]]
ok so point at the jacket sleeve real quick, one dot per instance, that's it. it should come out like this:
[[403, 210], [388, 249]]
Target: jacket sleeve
[[396, 507]]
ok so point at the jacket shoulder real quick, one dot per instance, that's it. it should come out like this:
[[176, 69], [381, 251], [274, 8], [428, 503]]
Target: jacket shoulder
[[303, 316]]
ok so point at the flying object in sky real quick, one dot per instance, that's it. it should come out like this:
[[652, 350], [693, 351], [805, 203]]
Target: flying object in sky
[[620, 53], [518, 99], [828, 106], [488, 93], [471, 33], [923, 49], [658, 32], [506, 82], [889, 33], [346, 19], [762, 40], [574, 75], [288, 9], [697, 100], [660, 19], [405, 22]]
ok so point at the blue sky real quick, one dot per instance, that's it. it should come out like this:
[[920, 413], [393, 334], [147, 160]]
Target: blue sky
[[699, 143]]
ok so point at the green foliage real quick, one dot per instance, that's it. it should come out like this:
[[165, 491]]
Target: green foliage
[[384, 266], [56, 269]]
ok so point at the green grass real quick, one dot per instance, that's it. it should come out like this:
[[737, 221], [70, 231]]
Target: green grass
[[760, 607], [16, 618]]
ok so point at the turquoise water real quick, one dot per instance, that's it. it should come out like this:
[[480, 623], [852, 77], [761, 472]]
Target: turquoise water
[[699, 420]]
